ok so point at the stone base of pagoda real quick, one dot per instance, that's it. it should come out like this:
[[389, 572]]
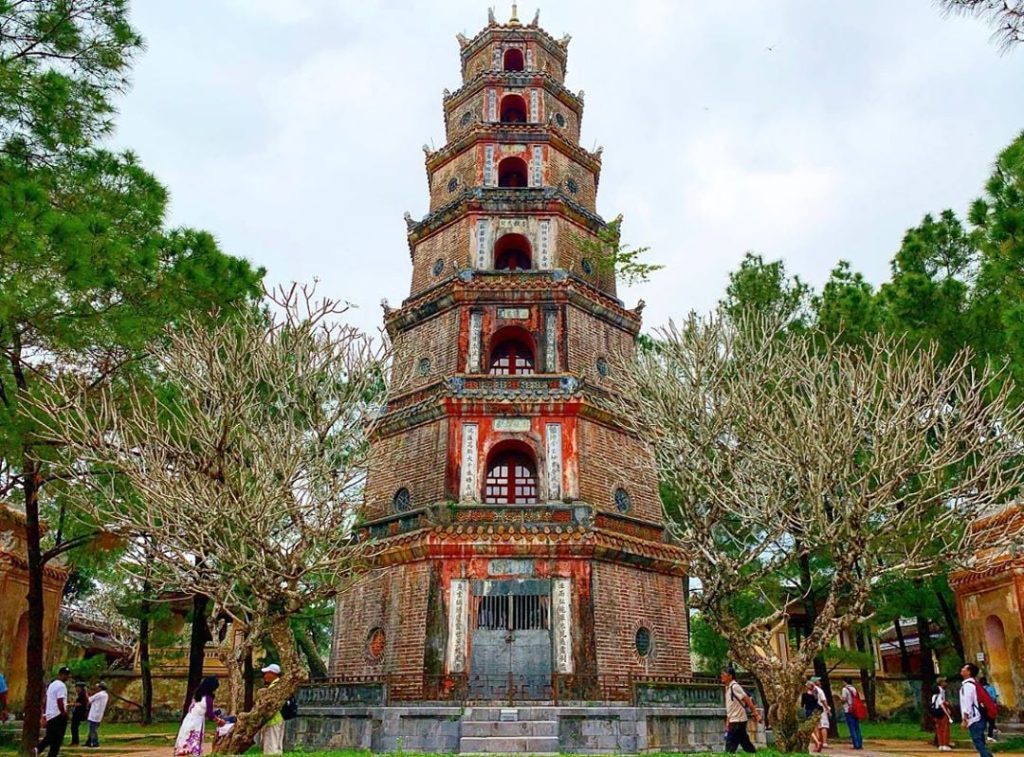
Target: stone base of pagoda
[[501, 729]]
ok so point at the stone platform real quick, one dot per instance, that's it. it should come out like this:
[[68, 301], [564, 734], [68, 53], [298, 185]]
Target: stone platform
[[534, 729]]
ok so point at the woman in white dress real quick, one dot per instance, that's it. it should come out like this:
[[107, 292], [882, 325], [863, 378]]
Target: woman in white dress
[[190, 736]]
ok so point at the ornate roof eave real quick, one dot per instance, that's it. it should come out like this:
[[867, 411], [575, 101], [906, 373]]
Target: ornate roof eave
[[568, 541], [994, 572], [50, 570], [495, 199], [457, 396], [526, 133], [558, 48], [483, 79], [488, 287]]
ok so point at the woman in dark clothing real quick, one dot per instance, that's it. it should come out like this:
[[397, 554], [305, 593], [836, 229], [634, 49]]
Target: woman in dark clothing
[[78, 713]]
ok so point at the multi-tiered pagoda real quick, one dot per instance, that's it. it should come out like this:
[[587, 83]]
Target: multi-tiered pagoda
[[524, 555]]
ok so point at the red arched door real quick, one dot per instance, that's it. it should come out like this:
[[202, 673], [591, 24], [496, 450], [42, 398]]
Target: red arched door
[[511, 480]]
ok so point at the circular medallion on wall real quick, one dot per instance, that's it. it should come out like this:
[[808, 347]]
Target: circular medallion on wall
[[466, 118], [401, 501], [453, 185], [602, 366], [423, 367], [375, 644], [438, 268], [587, 266], [572, 186], [644, 641], [560, 119], [623, 502]]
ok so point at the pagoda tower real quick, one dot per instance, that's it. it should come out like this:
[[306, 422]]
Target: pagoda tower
[[522, 550]]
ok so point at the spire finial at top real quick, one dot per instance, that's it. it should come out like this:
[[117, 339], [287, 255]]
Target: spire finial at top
[[514, 21]]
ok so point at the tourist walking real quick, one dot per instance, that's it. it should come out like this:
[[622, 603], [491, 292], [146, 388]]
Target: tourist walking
[[737, 702], [193, 727], [55, 714], [826, 712], [78, 712], [97, 707], [272, 735], [971, 712], [942, 716], [812, 709], [851, 712], [993, 731]]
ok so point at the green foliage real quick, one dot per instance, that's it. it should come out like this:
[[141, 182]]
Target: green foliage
[[847, 306], [90, 669], [707, 644], [767, 289], [61, 61], [611, 256]]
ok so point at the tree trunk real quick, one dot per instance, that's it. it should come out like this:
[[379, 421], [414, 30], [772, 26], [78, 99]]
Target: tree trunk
[[250, 680], [269, 700], [196, 648], [927, 672], [316, 666], [144, 664], [867, 677], [904, 654], [34, 659], [952, 626], [811, 617]]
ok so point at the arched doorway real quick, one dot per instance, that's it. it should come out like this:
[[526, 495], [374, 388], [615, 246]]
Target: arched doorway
[[512, 253], [513, 60], [512, 353], [512, 173], [999, 665], [511, 475], [513, 109]]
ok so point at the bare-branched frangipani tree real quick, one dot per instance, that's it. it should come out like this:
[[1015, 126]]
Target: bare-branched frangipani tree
[[239, 469], [784, 450], [1006, 17]]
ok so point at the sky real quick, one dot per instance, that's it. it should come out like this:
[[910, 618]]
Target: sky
[[806, 130]]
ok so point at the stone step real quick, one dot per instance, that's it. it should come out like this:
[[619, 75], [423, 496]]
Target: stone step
[[489, 713], [508, 744], [535, 728]]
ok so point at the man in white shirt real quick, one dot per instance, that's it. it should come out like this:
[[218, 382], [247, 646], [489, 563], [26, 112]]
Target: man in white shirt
[[97, 706], [737, 702], [56, 714], [970, 709]]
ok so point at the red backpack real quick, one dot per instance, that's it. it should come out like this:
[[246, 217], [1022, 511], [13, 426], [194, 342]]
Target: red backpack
[[857, 707], [986, 703]]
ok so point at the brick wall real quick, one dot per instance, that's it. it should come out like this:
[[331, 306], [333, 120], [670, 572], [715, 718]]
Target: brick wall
[[626, 598], [561, 168], [570, 257], [435, 340], [394, 601], [450, 245], [462, 167], [609, 459], [591, 338], [413, 458]]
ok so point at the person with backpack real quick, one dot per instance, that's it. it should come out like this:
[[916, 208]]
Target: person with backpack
[[737, 702], [993, 731], [975, 707], [854, 711], [942, 716]]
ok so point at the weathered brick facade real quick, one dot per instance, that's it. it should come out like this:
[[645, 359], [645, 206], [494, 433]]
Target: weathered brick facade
[[520, 531]]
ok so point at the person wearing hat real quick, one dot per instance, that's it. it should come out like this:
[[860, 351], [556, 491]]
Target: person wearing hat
[[272, 735], [56, 713]]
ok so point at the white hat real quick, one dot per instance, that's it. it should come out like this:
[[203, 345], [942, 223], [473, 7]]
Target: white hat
[[274, 668]]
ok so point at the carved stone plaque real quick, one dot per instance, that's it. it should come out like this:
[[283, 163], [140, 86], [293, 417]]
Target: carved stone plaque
[[554, 462], [458, 614], [512, 424], [475, 325], [561, 625], [514, 314], [544, 256], [468, 491]]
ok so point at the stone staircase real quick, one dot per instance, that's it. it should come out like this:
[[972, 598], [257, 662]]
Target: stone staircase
[[508, 730]]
